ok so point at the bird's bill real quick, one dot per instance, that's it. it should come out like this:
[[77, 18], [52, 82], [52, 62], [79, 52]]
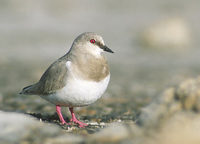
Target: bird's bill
[[105, 48]]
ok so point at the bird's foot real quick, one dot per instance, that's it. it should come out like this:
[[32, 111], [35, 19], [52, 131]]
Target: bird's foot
[[81, 124], [64, 122], [74, 119]]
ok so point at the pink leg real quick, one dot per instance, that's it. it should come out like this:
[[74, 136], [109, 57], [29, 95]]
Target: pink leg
[[73, 119], [58, 110]]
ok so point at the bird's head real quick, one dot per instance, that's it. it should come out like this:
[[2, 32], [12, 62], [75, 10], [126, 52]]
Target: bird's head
[[90, 43]]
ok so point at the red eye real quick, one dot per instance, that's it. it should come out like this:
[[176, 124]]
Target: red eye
[[92, 41]]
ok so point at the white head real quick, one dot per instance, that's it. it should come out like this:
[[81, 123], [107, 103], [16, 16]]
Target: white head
[[90, 43]]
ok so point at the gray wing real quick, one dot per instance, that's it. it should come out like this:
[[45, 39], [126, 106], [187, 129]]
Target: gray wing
[[54, 78]]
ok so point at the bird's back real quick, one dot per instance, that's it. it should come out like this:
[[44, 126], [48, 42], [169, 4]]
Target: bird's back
[[54, 78]]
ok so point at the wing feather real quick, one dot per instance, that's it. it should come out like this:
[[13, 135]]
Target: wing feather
[[54, 78]]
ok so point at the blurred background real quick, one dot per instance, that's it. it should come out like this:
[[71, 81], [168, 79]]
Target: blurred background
[[156, 45]]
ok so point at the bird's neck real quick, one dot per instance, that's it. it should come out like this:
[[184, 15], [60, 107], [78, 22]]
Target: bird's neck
[[90, 67]]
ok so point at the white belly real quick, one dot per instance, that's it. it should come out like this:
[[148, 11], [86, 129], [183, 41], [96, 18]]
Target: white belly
[[78, 92]]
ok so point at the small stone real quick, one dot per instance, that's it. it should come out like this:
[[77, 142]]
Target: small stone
[[119, 120], [102, 124], [93, 123]]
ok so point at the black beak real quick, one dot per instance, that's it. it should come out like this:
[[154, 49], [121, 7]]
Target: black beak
[[105, 48]]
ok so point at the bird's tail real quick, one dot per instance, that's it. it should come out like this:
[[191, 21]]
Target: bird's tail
[[27, 90]]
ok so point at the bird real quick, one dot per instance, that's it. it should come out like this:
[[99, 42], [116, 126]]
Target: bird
[[77, 79]]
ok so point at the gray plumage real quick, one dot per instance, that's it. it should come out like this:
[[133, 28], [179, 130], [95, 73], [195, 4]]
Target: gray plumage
[[54, 78]]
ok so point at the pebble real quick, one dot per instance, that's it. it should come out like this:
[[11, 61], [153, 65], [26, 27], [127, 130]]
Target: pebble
[[93, 123]]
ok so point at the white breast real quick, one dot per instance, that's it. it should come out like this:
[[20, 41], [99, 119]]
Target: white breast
[[78, 92]]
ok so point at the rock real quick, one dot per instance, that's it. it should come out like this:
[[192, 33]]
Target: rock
[[184, 97], [65, 139], [21, 128], [182, 128], [169, 33], [14, 126], [188, 93], [156, 110], [115, 132], [152, 114], [171, 118], [168, 96]]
